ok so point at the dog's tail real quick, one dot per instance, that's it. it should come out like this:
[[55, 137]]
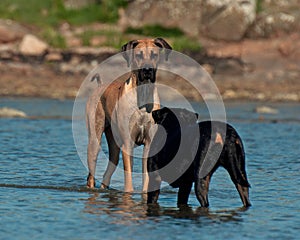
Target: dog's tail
[[97, 78]]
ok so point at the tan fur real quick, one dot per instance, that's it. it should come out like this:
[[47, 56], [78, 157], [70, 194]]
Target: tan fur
[[219, 139], [114, 110]]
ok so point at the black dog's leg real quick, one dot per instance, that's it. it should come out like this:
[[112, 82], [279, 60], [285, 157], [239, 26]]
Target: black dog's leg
[[201, 190], [236, 169], [153, 187], [184, 192], [244, 194], [153, 196]]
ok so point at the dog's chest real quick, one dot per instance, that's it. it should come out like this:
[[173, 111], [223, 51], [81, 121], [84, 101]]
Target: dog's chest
[[141, 126]]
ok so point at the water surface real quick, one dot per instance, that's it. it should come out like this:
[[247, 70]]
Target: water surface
[[43, 194]]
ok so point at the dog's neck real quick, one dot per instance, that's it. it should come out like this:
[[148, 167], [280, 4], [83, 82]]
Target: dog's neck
[[146, 95], [171, 125]]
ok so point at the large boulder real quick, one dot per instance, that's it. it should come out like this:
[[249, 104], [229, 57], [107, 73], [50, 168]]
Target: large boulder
[[11, 31], [219, 19], [31, 45], [227, 19], [184, 14], [274, 17]]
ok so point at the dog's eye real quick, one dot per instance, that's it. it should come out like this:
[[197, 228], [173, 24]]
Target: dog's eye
[[139, 55], [153, 55]]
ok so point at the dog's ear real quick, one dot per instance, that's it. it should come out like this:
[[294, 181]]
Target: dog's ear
[[155, 115], [189, 116], [127, 51], [158, 115], [160, 42], [97, 78]]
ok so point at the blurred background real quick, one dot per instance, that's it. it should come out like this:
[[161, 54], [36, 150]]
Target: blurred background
[[251, 48]]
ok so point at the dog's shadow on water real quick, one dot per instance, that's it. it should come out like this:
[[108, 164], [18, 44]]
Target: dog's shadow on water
[[199, 213], [126, 208]]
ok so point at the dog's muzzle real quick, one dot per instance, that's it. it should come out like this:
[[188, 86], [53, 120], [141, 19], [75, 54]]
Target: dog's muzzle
[[147, 74]]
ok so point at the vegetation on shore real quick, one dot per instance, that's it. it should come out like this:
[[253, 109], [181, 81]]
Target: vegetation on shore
[[48, 15]]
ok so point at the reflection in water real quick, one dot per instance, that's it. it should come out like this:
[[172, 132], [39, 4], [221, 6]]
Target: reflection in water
[[187, 212], [127, 208], [121, 207]]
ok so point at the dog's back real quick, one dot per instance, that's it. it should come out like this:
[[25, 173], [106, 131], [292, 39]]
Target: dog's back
[[219, 144]]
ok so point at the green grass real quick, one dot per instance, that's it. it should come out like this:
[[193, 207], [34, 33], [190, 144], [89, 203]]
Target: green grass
[[53, 38], [155, 30], [179, 41], [112, 38], [52, 12], [48, 15], [185, 43], [259, 7]]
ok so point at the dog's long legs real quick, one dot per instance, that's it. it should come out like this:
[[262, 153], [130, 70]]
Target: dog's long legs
[[127, 162], [184, 192], [201, 190], [93, 150], [154, 186], [236, 170], [92, 153], [114, 151], [145, 172], [95, 125]]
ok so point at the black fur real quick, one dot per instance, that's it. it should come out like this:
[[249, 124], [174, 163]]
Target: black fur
[[196, 139]]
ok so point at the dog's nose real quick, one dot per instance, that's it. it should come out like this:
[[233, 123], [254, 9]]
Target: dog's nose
[[147, 69], [147, 72]]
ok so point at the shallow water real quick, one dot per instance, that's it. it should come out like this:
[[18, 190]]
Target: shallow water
[[43, 194]]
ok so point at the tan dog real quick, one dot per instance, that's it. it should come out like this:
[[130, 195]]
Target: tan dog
[[123, 109]]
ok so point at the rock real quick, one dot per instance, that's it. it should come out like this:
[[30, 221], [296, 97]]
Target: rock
[[10, 112], [54, 56], [269, 24], [98, 41], [230, 66], [291, 97], [72, 42], [275, 17], [31, 45], [10, 31], [285, 48], [227, 20], [184, 14], [266, 109], [85, 51], [230, 94], [208, 68], [7, 51]]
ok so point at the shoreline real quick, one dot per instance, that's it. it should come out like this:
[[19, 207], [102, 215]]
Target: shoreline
[[265, 70]]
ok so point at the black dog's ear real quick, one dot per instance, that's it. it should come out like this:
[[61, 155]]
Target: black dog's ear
[[189, 116], [155, 115], [127, 51], [160, 42]]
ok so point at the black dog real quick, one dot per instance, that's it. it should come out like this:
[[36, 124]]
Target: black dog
[[179, 155]]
